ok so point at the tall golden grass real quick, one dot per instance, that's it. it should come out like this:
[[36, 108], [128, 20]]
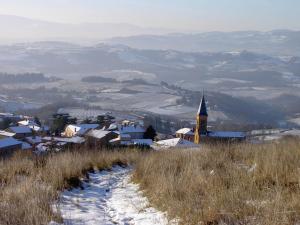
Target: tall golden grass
[[226, 184], [217, 184], [29, 185]]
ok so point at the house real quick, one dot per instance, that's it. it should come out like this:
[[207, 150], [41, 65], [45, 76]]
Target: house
[[21, 132], [8, 145], [27, 122], [41, 130], [78, 130], [135, 131], [100, 137], [186, 134], [174, 143]]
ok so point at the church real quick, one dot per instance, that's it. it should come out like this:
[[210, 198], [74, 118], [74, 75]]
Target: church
[[200, 134]]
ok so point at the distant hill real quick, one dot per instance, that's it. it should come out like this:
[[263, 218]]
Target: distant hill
[[221, 69], [278, 42], [20, 29], [25, 78]]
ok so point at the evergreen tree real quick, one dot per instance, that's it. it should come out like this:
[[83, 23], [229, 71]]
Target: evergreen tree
[[87, 121], [150, 133], [37, 121], [60, 121]]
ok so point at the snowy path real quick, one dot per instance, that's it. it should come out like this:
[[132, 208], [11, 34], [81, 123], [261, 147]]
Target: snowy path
[[108, 199]]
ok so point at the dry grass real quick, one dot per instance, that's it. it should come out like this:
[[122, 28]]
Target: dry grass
[[229, 184], [29, 184], [226, 184]]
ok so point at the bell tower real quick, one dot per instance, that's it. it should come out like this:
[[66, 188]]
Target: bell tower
[[201, 126]]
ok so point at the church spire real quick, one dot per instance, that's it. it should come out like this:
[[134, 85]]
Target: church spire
[[201, 126], [202, 111]]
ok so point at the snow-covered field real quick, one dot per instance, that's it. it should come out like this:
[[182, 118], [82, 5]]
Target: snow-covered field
[[109, 198], [259, 136], [295, 120]]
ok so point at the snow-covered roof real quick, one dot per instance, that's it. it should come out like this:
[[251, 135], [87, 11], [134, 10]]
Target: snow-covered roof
[[114, 140], [34, 140], [21, 130], [226, 134], [74, 140], [112, 127], [185, 131], [27, 123], [142, 142], [98, 133], [81, 129], [175, 142], [131, 129], [6, 133], [8, 142], [33, 125]]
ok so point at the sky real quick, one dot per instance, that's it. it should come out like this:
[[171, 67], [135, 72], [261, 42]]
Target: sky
[[197, 15]]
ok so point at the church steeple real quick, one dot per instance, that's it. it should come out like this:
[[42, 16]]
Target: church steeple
[[202, 111], [202, 115]]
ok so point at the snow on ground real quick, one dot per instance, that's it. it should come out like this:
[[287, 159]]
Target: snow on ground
[[272, 135], [295, 121], [108, 199]]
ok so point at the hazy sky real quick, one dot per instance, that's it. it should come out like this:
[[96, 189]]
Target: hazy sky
[[200, 15]]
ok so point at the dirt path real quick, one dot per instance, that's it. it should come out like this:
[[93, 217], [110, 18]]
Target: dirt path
[[108, 199]]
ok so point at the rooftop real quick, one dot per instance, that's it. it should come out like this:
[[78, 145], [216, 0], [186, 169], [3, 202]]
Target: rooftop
[[74, 140], [8, 142], [226, 134], [175, 142], [82, 128], [98, 133], [6, 133], [185, 131], [20, 130]]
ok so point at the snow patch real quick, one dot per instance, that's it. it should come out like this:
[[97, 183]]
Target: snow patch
[[109, 198]]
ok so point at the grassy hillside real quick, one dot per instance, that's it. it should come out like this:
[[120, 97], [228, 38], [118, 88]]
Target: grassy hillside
[[240, 184], [233, 184], [30, 185]]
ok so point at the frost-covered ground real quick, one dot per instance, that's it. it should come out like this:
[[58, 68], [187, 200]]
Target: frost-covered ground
[[109, 198]]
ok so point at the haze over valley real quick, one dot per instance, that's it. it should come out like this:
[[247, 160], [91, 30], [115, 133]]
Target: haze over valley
[[164, 82]]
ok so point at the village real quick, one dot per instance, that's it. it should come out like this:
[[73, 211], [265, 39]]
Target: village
[[27, 133]]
